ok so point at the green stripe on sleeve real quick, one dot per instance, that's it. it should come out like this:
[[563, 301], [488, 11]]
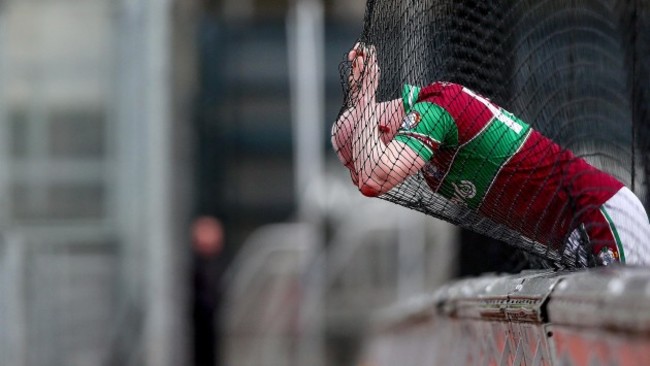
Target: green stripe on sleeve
[[416, 145], [410, 95], [619, 244], [426, 127]]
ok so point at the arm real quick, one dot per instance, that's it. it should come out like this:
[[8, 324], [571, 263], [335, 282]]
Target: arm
[[381, 166], [341, 141], [366, 151], [390, 115]]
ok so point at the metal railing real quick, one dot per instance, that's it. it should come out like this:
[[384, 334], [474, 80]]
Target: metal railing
[[599, 316]]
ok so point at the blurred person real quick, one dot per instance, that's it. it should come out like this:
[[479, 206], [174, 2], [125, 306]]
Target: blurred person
[[208, 267], [480, 156]]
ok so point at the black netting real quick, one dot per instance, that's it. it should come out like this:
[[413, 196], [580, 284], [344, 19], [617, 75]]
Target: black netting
[[575, 71]]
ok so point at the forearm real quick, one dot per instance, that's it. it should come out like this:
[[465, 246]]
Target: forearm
[[391, 116], [373, 159], [368, 151], [381, 162], [343, 129]]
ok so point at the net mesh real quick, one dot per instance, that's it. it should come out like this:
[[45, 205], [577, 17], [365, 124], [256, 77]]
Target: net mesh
[[575, 71]]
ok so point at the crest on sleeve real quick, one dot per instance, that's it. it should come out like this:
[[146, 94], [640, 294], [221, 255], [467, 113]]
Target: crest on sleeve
[[411, 120]]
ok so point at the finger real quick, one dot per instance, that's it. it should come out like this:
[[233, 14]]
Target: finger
[[358, 67], [367, 91], [357, 50], [352, 54]]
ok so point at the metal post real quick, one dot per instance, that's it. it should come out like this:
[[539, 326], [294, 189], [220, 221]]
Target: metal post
[[306, 53], [128, 115], [13, 337], [5, 201], [143, 103], [12, 248], [159, 322], [306, 40]]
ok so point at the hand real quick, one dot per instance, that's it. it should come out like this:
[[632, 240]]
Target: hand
[[364, 74]]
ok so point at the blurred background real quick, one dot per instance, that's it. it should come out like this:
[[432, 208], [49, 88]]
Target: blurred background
[[168, 194]]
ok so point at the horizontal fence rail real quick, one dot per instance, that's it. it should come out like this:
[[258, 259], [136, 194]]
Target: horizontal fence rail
[[593, 317]]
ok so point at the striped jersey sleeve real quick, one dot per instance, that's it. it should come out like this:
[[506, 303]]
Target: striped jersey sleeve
[[425, 126]]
